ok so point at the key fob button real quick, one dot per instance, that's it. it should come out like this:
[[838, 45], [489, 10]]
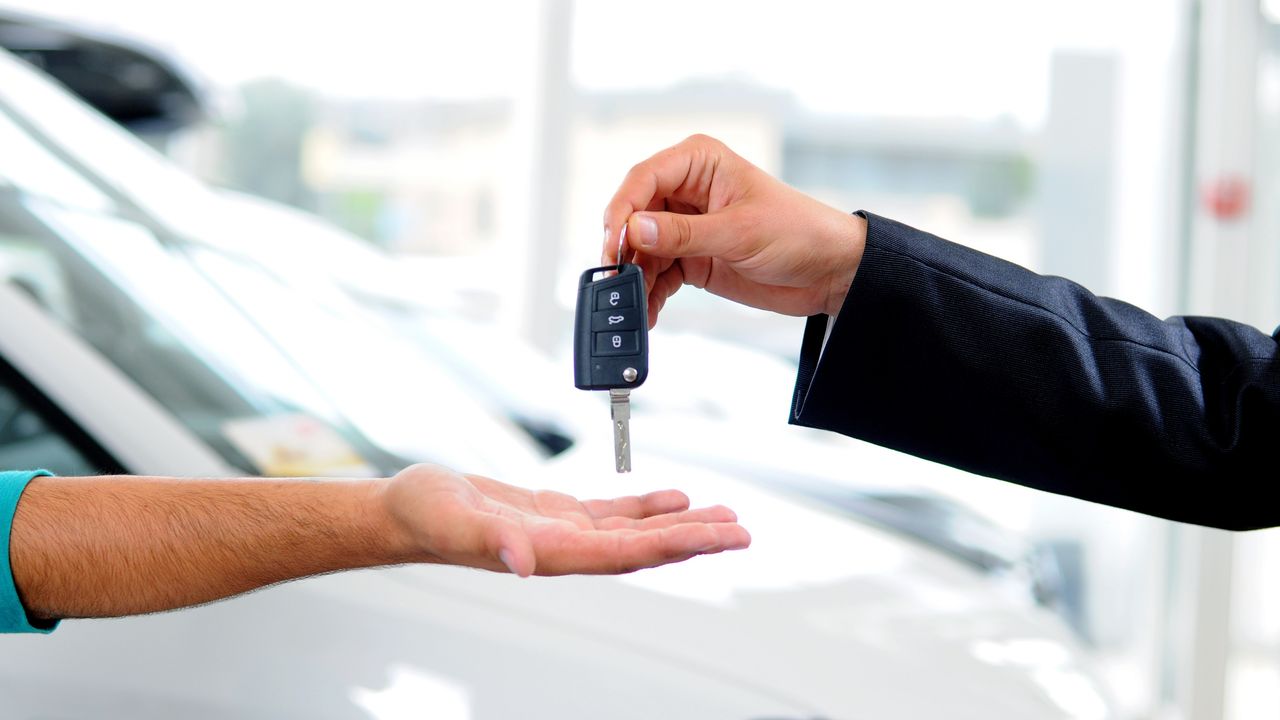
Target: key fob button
[[626, 319], [615, 298], [622, 342]]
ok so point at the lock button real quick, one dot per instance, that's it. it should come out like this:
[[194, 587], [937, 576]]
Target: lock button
[[615, 298], [626, 342]]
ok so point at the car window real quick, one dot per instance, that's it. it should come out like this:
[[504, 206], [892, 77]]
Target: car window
[[27, 165], [178, 310], [134, 170], [112, 283], [29, 440], [246, 355], [379, 379]]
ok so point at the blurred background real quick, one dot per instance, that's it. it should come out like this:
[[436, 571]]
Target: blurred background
[[1130, 145]]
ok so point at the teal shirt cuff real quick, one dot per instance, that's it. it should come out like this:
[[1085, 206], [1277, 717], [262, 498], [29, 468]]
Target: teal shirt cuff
[[13, 617]]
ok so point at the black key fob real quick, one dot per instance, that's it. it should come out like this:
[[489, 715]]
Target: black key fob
[[611, 330]]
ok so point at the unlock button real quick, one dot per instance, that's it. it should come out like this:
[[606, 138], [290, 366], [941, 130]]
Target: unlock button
[[617, 343]]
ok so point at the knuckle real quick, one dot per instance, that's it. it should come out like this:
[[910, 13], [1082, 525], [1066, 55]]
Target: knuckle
[[640, 169], [681, 233], [701, 139]]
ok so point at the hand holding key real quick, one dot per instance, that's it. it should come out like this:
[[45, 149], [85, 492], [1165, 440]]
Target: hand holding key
[[699, 214]]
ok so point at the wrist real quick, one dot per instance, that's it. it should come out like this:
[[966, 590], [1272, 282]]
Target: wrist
[[849, 238], [396, 542]]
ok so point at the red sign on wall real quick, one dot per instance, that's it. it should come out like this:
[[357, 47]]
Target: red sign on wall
[[1226, 198]]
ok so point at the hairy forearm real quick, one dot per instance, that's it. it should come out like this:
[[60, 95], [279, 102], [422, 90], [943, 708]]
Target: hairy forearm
[[108, 546]]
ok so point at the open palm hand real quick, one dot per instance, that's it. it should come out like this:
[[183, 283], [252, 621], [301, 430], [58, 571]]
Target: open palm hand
[[479, 522]]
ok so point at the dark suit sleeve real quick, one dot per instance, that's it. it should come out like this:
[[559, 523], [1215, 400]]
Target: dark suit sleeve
[[952, 355]]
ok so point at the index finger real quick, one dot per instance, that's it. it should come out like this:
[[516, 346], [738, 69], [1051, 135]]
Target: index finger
[[620, 551], [647, 184], [638, 506]]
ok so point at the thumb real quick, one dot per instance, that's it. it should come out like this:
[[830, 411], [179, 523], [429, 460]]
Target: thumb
[[508, 543], [676, 235]]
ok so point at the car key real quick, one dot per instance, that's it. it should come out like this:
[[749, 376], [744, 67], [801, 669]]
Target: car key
[[611, 344]]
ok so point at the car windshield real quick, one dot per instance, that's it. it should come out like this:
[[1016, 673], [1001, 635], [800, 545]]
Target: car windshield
[[137, 258]]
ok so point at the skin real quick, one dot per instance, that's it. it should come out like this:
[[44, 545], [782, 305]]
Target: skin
[[699, 214], [109, 546]]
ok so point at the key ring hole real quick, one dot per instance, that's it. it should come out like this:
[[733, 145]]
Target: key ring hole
[[622, 244], [615, 269], [604, 271]]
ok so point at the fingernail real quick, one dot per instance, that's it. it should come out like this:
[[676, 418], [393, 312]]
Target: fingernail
[[646, 230], [505, 556]]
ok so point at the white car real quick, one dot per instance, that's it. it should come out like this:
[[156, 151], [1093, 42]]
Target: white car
[[132, 341]]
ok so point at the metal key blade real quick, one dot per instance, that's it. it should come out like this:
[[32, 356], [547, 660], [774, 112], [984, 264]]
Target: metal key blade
[[620, 410]]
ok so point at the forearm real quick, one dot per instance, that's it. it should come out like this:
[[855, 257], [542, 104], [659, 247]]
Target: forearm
[[108, 546], [955, 356]]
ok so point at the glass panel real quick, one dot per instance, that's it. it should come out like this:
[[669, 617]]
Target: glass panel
[[1254, 666], [256, 344], [26, 164], [164, 331], [28, 442], [126, 163], [379, 379]]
